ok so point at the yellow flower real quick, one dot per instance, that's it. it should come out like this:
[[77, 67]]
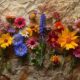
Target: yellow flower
[[68, 39], [35, 28], [5, 40], [26, 32], [32, 16], [55, 59]]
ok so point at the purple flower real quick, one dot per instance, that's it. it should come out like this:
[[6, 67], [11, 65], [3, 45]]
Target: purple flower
[[11, 30], [42, 23]]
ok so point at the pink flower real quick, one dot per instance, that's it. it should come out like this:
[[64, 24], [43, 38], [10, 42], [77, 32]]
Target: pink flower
[[20, 22], [4, 25], [77, 25], [32, 43], [76, 52]]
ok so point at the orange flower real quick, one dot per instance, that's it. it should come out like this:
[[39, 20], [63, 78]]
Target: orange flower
[[58, 24], [68, 39], [55, 59], [35, 28], [10, 18]]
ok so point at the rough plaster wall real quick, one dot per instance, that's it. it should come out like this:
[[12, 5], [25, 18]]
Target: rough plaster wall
[[68, 9]]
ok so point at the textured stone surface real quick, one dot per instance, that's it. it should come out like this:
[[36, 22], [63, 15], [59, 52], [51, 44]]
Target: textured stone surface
[[68, 9]]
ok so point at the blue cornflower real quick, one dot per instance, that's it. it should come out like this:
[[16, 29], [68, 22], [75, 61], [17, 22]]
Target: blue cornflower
[[42, 23], [18, 39], [21, 50]]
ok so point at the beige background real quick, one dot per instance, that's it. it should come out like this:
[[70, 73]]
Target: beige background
[[67, 8]]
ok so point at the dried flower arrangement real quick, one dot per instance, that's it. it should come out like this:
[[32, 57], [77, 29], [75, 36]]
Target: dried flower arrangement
[[39, 37]]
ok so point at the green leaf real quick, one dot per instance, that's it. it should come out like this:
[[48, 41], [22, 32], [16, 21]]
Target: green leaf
[[39, 52]]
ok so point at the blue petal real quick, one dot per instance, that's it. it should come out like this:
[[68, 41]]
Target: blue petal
[[20, 50], [18, 39]]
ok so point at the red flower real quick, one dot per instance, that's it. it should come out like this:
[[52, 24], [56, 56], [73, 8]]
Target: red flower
[[58, 26], [52, 39], [20, 22]]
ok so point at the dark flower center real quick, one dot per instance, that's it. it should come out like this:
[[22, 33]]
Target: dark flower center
[[5, 40], [32, 27], [20, 22], [78, 25], [68, 40], [32, 43]]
